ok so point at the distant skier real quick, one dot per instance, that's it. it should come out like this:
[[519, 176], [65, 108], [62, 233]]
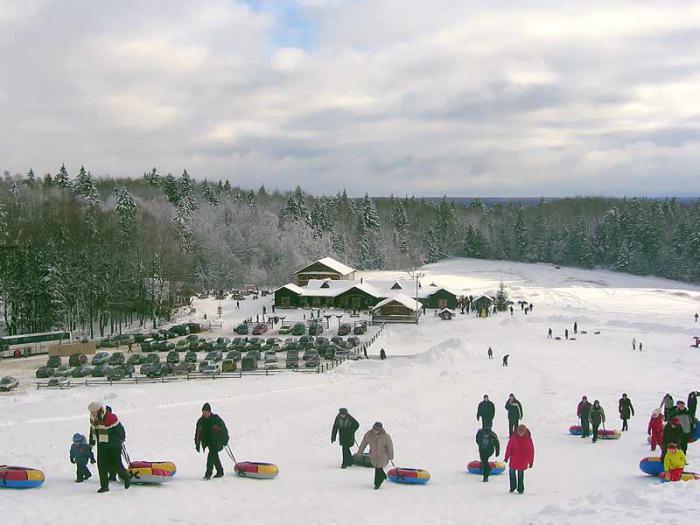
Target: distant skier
[[696, 317], [575, 327], [566, 333], [487, 441], [490, 353], [511, 309], [640, 346], [345, 427], [549, 333], [486, 412], [655, 429], [597, 417], [634, 343], [515, 413], [211, 433], [531, 307], [505, 359], [626, 410], [667, 406], [520, 453], [583, 411], [238, 305], [381, 451], [382, 354]]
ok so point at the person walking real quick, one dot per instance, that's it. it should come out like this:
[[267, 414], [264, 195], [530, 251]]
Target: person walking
[[520, 455], [667, 406], [381, 451], [640, 346], [575, 327], [626, 410], [692, 403], [104, 434], [211, 432], [490, 353], [655, 429], [505, 359], [382, 354], [566, 333], [696, 317], [121, 436], [583, 412], [673, 433], [344, 427], [549, 333], [80, 455], [486, 412], [674, 463], [634, 343], [515, 413], [597, 417], [487, 441]]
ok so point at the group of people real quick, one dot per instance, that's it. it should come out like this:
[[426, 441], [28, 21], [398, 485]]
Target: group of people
[[592, 416], [505, 357]]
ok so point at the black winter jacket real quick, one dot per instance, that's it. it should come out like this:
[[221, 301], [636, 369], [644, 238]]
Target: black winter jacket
[[211, 432], [487, 441], [486, 410], [346, 429], [624, 406], [515, 410]]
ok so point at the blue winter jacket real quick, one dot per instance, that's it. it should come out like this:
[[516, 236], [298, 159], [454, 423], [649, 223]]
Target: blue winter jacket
[[81, 453]]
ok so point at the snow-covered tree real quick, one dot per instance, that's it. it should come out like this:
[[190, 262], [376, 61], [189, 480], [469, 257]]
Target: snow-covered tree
[[399, 222], [62, 179], [126, 211]]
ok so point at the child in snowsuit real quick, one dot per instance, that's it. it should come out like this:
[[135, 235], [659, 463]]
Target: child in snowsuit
[[655, 429], [80, 454], [674, 463]]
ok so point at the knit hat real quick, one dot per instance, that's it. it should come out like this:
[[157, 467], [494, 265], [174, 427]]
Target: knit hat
[[672, 445], [78, 438], [675, 421], [94, 406], [377, 426], [342, 411], [206, 407], [656, 413]]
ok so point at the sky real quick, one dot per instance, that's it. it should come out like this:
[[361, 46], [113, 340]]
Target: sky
[[457, 98]]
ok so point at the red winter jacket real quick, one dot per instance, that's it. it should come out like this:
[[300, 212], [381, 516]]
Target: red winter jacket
[[656, 427], [520, 451]]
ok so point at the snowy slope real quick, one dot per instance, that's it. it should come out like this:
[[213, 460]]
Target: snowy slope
[[425, 394]]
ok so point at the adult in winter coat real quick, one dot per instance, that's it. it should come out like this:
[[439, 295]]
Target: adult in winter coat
[[520, 453], [597, 417], [121, 434], [626, 410], [693, 403], [486, 412], [106, 434], [381, 451], [686, 422], [345, 427], [583, 412], [674, 463], [673, 433], [515, 413], [655, 429], [490, 353], [211, 433], [667, 406], [487, 441]]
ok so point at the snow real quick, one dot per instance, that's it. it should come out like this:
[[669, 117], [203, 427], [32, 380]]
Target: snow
[[331, 263], [403, 299], [425, 393]]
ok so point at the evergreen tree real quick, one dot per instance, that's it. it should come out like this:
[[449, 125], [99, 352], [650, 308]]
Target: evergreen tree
[[31, 178], [209, 194], [295, 209], [521, 235], [368, 226], [399, 221], [62, 179], [502, 298], [126, 211]]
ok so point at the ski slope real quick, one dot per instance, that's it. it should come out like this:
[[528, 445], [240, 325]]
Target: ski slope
[[425, 394]]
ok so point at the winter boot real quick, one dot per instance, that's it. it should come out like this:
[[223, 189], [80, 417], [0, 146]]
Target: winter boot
[[103, 490], [219, 474]]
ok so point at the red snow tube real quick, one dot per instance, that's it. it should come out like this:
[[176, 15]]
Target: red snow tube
[[20, 477], [256, 470], [602, 433], [152, 471], [497, 467]]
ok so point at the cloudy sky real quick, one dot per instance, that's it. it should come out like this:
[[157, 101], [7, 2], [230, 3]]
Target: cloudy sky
[[464, 98]]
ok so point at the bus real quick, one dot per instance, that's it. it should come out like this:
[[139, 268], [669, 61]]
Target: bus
[[24, 345]]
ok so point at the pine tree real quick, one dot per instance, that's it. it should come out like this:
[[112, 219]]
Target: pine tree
[[252, 200], [368, 226], [62, 179], [185, 208], [152, 178], [521, 235], [209, 193], [30, 180], [432, 247], [295, 210], [502, 298], [399, 221], [126, 211]]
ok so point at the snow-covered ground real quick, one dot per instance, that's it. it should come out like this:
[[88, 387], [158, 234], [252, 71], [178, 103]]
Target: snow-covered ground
[[425, 394]]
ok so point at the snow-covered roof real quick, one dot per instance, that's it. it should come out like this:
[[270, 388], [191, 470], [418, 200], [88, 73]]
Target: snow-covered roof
[[403, 299], [331, 263], [293, 288], [333, 288], [483, 295]]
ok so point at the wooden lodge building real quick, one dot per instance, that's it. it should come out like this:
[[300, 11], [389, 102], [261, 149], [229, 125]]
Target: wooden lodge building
[[327, 283]]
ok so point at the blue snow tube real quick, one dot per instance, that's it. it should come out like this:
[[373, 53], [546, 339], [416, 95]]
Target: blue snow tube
[[652, 466]]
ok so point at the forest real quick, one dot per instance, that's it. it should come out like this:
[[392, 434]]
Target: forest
[[97, 254]]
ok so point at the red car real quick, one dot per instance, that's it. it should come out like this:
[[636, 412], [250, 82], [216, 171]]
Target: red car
[[260, 329]]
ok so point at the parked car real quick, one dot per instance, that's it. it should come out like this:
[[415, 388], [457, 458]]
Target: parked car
[[360, 328], [146, 368], [298, 329], [233, 355], [255, 341], [238, 341], [191, 357], [338, 341], [180, 329], [45, 371], [286, 329], [136, 359], [173, 357], [105, 343], [249, 363], [100, 358], [182, 345], [241, 329], [313, 361], [77, 360], [315, 329], [53, 361], [310, 354], [260, 329], [211, 370], [322, 341], [270, 357], [228, 365], [215, 355], [63, 371], [58, 382], [292, 360], [101, 370], [160, 370], [117, 358], [78, 371], [203, 364], [254, 353], [353, 341], [153, 359], [185, 368], [117, 373], [8, 383], [344, 329]]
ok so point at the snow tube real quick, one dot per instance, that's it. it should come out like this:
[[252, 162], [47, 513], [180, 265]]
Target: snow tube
[[20, 477], [256, 470], [361, 461], [686, 476], [410, 476], [152, 471], [497, 467], [652, 466], [602, 433]]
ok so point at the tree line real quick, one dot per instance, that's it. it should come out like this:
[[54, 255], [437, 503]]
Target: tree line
[[96, 254]]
